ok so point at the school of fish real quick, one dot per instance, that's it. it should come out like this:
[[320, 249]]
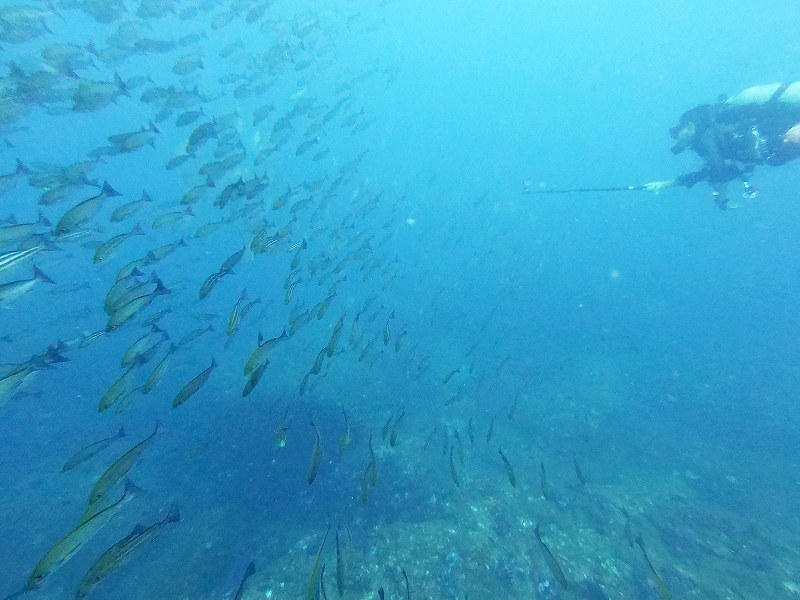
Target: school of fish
[[269, 181]]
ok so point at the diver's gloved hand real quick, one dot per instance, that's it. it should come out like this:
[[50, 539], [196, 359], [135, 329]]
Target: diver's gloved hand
[[657, 186]]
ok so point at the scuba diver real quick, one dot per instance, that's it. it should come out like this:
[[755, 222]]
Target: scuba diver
[[759, 126]]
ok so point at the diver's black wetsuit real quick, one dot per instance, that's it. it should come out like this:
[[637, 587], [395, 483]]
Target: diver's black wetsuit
[[733, 139]]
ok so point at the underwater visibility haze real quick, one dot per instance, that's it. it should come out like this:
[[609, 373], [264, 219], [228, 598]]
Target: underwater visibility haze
[[289, 307]]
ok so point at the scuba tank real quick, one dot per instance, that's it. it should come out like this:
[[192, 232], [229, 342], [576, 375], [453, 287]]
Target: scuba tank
[[788, 93]]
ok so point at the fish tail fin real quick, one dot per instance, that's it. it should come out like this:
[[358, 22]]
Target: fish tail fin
[[121, 432], [41, 275], [138, 528], [59, 346], [152, 127], [161, 289], [251, 568], [173, 516], [131, 489], [49, 244], [137, 230], [108, 190], [146, 197], [121, 84], [21, 168], [44, 220], [53, 354], [16, 70]]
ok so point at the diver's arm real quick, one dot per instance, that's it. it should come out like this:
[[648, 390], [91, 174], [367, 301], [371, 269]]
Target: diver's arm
[[688, 180]]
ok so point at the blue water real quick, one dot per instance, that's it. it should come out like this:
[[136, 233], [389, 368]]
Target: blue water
[[649, 339]]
